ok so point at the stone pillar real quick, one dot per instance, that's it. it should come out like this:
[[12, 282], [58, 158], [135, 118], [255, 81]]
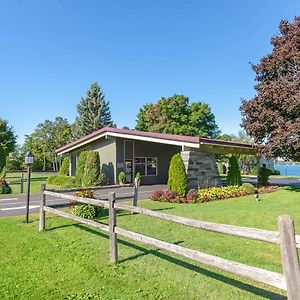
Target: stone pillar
[[201, 169]]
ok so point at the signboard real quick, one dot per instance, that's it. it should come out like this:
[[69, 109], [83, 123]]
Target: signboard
[[120, 165]]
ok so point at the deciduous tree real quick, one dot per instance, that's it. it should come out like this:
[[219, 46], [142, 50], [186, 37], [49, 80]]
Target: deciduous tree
[[176, 116], [272, 117], [46, 138], [7, 138]]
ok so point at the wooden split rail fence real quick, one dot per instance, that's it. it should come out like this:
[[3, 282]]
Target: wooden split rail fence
[[16, 182], [285, 237]]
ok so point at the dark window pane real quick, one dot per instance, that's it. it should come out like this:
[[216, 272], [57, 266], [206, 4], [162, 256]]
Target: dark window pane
[[140, 168], [151, 166]]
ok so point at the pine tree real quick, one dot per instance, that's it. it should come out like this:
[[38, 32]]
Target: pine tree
[[93, 113]]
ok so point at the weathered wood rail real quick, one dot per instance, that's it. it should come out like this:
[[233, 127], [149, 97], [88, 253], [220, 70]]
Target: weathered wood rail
[[289, 242], [16, 182]]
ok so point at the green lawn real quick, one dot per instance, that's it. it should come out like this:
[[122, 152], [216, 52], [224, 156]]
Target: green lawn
[[37, 178], [71, 261]]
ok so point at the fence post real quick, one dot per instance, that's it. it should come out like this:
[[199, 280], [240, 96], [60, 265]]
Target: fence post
[[42, 212], [135, 192], [289, 256], [22, 183], [113, 246]]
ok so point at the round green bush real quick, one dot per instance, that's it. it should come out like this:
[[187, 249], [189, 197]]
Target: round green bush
[[249, 188], [65, 167], [234, 173], [177, 179], [86, 211], [122, 177]]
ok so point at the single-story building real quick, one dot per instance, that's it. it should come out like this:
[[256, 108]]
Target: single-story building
[[150, 153]]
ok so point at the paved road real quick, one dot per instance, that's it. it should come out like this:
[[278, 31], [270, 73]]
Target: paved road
[[15, 205]]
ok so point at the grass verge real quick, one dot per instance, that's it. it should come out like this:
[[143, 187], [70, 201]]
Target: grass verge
[[71, 261]]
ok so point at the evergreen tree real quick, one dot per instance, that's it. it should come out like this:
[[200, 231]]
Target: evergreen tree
[[93, 113], [177, 178], [234, 174]]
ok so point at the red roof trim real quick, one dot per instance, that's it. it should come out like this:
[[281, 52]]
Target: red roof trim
[[163, 136]]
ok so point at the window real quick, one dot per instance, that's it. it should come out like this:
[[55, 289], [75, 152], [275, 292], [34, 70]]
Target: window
[[146, 166]]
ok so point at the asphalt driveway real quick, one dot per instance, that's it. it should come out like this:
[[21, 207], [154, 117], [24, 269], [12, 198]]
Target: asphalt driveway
[[15, 205]]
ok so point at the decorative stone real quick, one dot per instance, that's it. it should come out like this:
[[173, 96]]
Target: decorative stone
[[201, 169]]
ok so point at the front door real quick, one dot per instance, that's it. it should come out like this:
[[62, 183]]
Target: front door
[[128, 170]]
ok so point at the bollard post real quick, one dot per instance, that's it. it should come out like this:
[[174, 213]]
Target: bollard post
[[22, 183], [42, 204], [113, 242], [135, 192]]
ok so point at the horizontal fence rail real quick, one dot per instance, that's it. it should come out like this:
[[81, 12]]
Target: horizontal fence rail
[[289, 242], [274, 279], [91, 188], [246, 232]]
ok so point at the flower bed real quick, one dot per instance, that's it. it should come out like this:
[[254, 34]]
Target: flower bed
[[211, 194]]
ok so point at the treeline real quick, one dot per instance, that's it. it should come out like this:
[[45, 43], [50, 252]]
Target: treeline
[[174, 115]]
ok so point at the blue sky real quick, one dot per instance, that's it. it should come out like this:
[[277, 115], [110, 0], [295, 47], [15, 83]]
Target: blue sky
[[138, 51]]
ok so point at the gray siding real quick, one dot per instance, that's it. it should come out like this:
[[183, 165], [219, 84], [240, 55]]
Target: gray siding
[[107, 152], [162, 152]]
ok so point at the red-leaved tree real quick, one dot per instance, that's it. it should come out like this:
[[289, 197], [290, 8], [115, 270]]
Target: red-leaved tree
[[272, 117]]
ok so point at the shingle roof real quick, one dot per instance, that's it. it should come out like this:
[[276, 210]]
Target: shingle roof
[[154, 135]]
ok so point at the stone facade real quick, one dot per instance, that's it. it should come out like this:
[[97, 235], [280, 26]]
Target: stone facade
[[201, 169]]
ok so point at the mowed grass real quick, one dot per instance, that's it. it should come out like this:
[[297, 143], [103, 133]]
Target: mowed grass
[[71, 260], [37, 178]]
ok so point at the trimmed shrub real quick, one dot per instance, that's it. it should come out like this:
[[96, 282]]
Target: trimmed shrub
[[274, 172], [138, 178], [263, 176], [66, 181], [4, 187], [122, 177], [81, 167], [92, 169], [249, 188], [177, 179], [234, 173], [65, 167], [86, 211]]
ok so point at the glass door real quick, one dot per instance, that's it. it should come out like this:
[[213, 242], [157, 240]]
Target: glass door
[[128, 170]]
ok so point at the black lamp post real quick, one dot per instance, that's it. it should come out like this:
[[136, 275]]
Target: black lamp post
[[28, 161]]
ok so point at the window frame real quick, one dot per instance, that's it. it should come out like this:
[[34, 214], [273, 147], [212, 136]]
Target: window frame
[[145, 164]]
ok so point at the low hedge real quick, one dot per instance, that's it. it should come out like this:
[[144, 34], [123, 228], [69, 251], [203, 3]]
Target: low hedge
[[211, 194], [66, 181]]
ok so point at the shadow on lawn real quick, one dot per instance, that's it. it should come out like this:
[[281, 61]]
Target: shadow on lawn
[[230, 281], [293, 188]]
